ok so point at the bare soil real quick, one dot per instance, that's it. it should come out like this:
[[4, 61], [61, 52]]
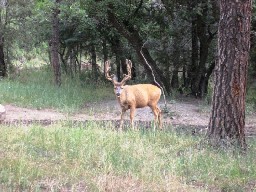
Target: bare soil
[[184, 112]]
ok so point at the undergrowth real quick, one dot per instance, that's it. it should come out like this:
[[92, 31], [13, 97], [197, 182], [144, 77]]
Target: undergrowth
[[95, 157]]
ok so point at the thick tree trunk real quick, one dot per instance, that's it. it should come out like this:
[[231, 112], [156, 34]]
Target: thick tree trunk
[[54, 44], [227, 121]]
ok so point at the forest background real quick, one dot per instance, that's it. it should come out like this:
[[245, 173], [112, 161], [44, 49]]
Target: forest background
[[48, 49]]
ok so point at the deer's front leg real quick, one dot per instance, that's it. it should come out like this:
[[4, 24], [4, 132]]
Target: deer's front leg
[[122, 120]]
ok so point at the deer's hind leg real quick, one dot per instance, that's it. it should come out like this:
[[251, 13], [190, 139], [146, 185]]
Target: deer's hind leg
[[159, 117], [132, 114], [157, 114]]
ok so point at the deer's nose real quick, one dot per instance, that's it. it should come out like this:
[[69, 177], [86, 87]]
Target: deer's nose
[[118, 94]]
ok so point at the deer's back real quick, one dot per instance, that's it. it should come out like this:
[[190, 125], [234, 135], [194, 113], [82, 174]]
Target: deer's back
[[142, 95]]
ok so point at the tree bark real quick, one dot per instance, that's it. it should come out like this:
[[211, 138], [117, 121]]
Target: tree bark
[[94, 63], [104, 51], [227, 121], [117, 48], [194, 54], [176, 64], [201, 41], [54, 44], [3, 23], [3, 67]]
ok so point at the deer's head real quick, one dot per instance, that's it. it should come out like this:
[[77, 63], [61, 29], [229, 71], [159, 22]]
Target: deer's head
[[118, 86]]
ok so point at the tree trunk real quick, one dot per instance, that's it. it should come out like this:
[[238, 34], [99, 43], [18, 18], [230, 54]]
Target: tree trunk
[[124, 66], [104, 51], [118, 67], [54, 43], [3, 67], [176, 64], [227, 121], [206, 77], [118, 50], [201, 40], [133, 37], [3, 23], [154, 72], [94, 63], [194, 56], [175, 79]]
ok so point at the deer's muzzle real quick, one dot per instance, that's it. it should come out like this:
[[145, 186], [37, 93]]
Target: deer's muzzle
[[118, 91]]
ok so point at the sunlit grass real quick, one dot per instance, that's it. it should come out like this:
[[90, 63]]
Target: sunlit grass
[[97, 157], [36, 89]]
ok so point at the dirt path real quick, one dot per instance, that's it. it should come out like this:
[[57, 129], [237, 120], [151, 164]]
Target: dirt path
[[190, 112]]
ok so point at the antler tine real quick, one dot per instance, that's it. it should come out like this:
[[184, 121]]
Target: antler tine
[[107, 69], [129, 71]]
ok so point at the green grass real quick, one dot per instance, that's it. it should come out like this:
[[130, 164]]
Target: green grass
[[35, 89], [95, 157]]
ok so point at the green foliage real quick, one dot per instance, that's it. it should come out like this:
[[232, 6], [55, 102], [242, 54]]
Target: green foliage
[[164, 27], [64, 155], [35, 57]]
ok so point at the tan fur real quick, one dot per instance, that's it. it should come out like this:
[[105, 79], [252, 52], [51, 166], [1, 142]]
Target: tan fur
[[139, 96], [135, 96]]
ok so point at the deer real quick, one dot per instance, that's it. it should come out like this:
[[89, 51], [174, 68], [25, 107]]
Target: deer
[[134, 96]]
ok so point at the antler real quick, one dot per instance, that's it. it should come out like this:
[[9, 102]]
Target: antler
[[129, 69], [111, 77], [107, 69]]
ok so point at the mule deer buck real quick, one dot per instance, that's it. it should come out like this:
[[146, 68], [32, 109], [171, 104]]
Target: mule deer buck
[[134, 96]]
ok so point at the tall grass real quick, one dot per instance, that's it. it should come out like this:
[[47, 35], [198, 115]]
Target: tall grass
[[35, 89], [94, 157]]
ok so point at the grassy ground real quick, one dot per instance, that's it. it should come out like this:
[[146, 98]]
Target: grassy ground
[[35, 89], [95, 157]]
